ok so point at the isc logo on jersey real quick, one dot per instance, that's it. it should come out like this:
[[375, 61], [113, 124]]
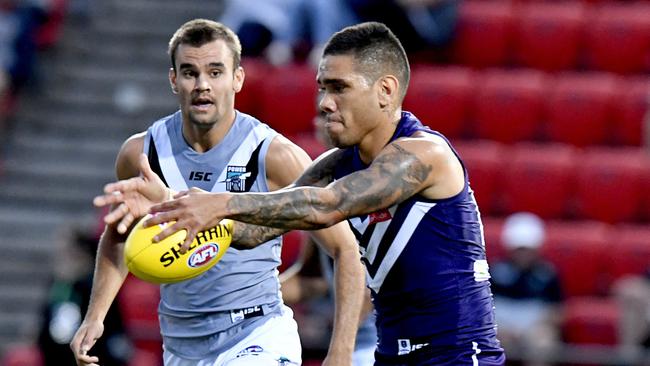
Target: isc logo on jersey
[[203, 255]]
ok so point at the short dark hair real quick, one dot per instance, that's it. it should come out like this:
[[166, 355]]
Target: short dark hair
[[198, 32], [375, 48]]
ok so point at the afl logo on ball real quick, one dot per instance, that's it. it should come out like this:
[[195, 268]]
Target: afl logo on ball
[[203, 255]]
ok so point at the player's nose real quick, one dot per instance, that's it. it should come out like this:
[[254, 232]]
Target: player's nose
[[326, 103], [202, 83]]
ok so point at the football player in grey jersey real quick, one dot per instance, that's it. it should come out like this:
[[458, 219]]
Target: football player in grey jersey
[[232, 314]]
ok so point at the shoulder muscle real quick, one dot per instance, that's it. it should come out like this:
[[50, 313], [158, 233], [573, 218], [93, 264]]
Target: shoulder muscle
[[445, 178], [127, 165], [285, 162]]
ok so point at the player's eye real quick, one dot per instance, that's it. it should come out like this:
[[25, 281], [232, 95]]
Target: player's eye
[[337, 88]]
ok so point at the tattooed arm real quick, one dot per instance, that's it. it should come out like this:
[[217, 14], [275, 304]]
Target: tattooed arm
[[422, 165], [246, 235]]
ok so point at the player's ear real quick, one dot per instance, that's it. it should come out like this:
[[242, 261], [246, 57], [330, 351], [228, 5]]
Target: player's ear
[[238, 77], [388, 89], [172, 80]]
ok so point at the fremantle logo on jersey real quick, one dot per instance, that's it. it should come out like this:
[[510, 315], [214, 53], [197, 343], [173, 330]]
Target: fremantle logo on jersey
[[236, 178]]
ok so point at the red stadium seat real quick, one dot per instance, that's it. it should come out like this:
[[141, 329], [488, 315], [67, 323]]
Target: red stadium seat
[[49, 33], [22, 355], [539, 179], [631, 107], [509, 105], [578, 250], [441, 97], [618, 37], [630, 252], [579, 108], [645, 193], [143, 357], [483, 161], [256, 71], [591, 321], [138, 302], [548, 35], [608, 186], [292, 243], [309, 143], [288, 99], [484, 33]]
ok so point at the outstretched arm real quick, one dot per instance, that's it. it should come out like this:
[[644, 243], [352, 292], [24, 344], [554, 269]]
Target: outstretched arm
[[110, 270], [404, 168], [133, 197], [349, 290]]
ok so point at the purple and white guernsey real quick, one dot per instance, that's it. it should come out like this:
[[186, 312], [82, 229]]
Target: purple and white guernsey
[[428, 274]]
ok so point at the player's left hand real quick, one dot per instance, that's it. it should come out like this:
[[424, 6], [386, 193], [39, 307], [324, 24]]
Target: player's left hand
[[194, 210]]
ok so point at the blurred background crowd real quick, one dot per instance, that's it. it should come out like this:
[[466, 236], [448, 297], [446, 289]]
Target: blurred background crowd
[[546, 100]]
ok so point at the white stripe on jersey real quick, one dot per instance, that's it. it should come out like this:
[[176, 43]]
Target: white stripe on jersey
[[166, 158], [415, 215], [377, 235], [243, 153]]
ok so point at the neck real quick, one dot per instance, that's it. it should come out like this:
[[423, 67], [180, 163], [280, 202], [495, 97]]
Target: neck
[[204, 138], [375, 141]]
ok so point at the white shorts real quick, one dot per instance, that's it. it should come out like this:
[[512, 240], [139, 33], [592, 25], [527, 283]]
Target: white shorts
[[274, 343]]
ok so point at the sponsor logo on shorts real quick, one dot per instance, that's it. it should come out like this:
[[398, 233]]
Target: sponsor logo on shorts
[[247, 313], [203, 255], [404, 346], [250, 351]]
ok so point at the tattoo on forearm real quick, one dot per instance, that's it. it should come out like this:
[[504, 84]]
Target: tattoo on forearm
[[393, 177], [246, 236], [290, 209]]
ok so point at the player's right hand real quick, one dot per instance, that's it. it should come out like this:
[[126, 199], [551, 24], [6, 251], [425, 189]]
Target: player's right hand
[[132, 197], [84, 340]]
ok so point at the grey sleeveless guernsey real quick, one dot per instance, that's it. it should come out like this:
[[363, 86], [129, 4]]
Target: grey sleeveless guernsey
[[242, 290]]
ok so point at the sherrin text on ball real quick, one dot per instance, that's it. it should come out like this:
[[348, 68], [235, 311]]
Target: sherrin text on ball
[[163, 262]]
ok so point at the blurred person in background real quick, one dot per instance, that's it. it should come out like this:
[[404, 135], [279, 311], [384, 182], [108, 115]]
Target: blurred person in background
[[633, 296], [20, 26], [67, 303], [278, 29], [19, 23], [421, 25], [233, 313], [526, 290]]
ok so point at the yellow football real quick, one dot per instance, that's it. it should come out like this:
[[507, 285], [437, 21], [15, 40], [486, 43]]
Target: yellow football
[[163, 262]]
